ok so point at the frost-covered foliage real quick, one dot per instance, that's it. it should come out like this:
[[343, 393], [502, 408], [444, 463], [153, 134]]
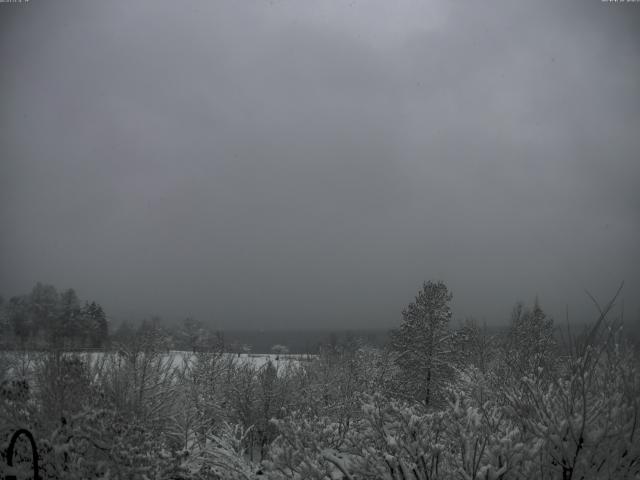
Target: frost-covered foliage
[[137, 413], [393, 439], [589, 416], [555, 415]]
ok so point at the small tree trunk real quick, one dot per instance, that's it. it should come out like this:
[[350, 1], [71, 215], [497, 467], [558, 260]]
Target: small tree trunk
[[428, 395]]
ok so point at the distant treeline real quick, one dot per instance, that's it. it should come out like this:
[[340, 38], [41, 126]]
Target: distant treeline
[[196, 336], [46, 317]]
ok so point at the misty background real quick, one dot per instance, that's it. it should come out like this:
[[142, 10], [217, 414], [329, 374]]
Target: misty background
[[272, 164]]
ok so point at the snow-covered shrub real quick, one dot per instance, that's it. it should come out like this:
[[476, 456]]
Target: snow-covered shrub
[[299, 450], [486, 444], [62, 384], [586, 414], [587, 418], [138, 383]]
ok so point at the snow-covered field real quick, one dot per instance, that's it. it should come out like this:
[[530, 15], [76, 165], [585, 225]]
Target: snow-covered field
[[256, 359], [16, 364]]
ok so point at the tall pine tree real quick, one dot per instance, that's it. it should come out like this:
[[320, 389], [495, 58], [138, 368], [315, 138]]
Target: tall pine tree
[[422, 343]]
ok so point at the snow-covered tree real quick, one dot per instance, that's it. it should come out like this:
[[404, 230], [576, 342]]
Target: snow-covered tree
[[422, 343], [530, 343]]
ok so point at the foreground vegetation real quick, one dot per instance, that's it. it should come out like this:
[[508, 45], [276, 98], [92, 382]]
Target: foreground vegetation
[[438, 403]]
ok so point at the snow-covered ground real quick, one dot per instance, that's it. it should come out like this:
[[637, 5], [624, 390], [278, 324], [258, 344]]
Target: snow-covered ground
[[256, 359], [18, 364]]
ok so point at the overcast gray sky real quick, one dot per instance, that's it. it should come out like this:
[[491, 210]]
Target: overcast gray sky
[[309, 163]]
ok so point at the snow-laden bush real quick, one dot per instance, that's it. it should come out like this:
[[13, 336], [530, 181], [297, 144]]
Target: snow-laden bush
[[588, 418], [395, 440]]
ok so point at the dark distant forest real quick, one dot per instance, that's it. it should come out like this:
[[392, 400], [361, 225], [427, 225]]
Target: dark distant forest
[[47, 317]]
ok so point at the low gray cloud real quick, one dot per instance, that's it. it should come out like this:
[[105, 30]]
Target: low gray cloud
[[309, 164]]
